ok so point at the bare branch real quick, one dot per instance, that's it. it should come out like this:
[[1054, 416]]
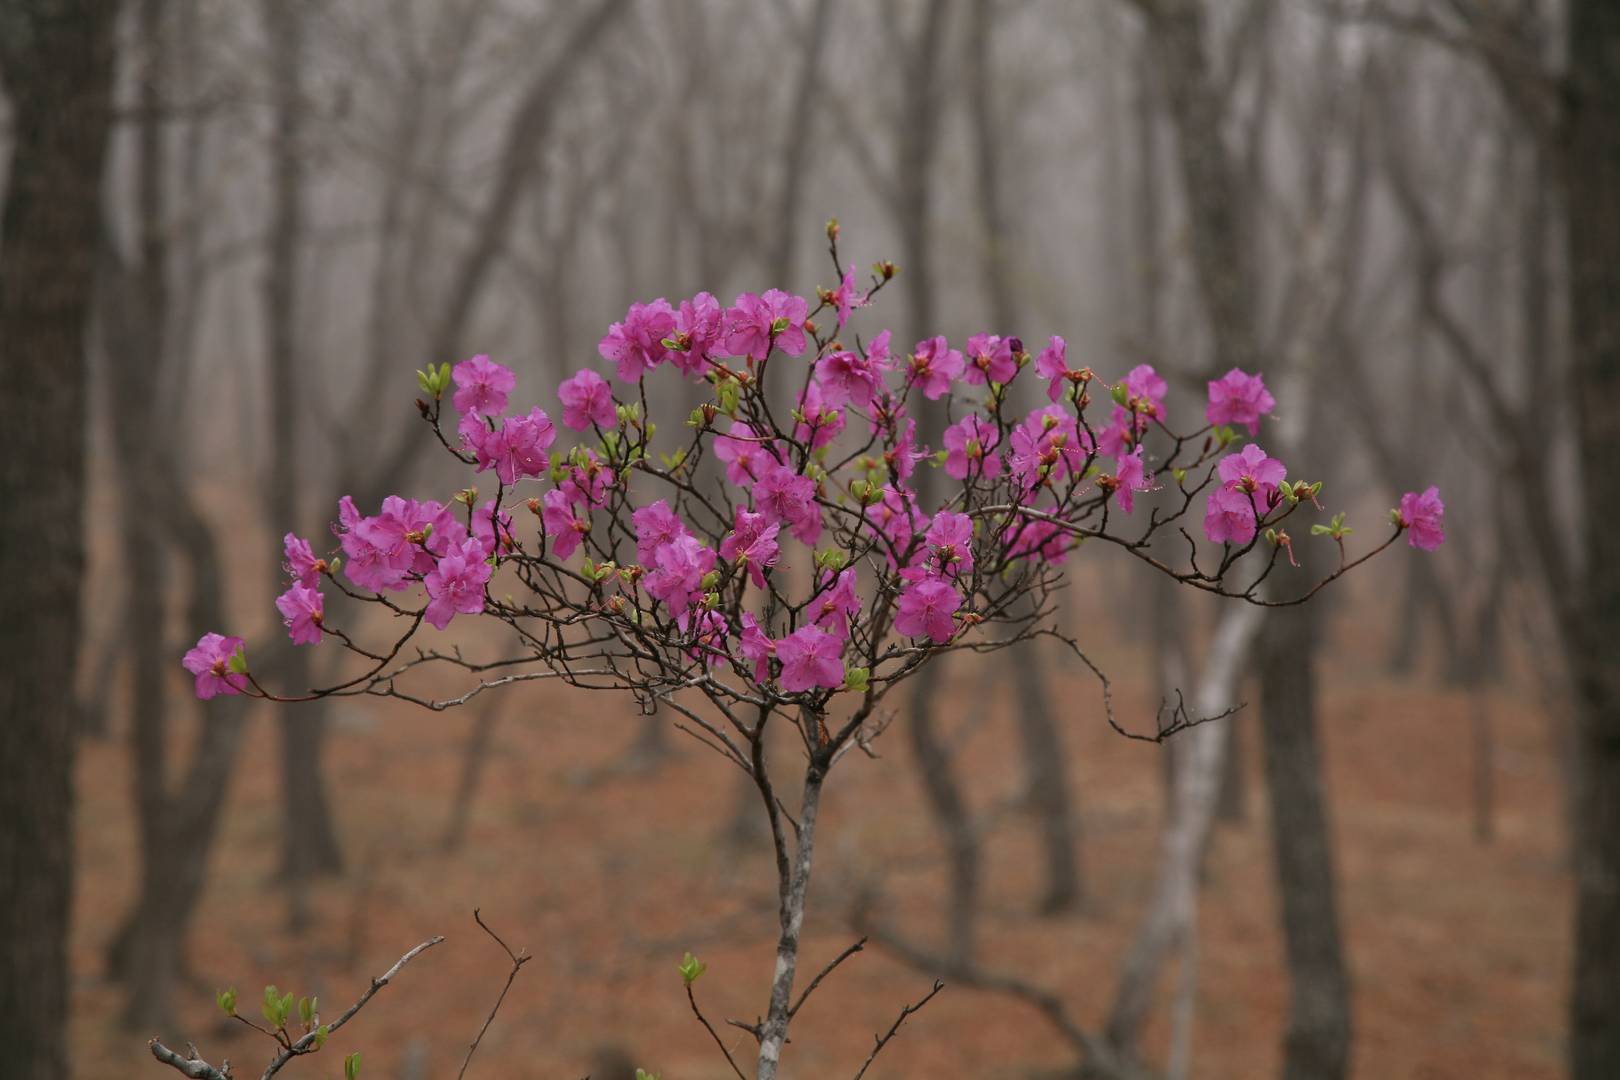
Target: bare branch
[[518, 960], [894, 1029]]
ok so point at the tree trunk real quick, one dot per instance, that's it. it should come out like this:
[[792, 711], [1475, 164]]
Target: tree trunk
[[944, 793], [56, 60], [309, 838], [1592, 175], [1316, 1043]]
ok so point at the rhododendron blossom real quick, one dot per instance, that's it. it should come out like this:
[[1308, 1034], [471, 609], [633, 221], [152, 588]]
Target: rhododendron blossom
[[1421, 515], [482, 386], [587, 399], [926, 608], [456, 584], [636, 345], [1239, 398], [810, 659], [302, 609], [210, 661]]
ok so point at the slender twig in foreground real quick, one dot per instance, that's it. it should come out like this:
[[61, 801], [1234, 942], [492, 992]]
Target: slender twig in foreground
[[697, 1012], [894, 1029], [815, 982], [518, 960], [307, 1043]]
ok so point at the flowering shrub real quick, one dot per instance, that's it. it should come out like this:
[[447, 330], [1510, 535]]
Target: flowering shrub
[[746, 562]]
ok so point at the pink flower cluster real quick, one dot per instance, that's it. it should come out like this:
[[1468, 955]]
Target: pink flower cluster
[[697, 567]]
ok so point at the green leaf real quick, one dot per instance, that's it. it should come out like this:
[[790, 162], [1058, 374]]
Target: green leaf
[[271, 1008], [226, 1000], [643, 1074], [306, 1010], [691, 967], [238, 661], [320, 1035], [856, 680], [351, 1066], [1120, 394]]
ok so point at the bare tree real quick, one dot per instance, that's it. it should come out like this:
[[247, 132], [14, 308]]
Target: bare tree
[[56, 63]]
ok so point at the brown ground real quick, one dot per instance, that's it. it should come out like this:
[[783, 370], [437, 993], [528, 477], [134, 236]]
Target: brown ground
[[1458, 949]]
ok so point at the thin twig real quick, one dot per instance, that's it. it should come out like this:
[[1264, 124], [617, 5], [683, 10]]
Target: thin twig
[[697, 1012], [894, 1029], [518, 960], [193, 1066], [815, 982]]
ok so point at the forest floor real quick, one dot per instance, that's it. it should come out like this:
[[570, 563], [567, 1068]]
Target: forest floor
[[607, 868]]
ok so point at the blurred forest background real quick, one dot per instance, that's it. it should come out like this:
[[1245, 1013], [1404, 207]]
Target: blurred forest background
[[253, 220]]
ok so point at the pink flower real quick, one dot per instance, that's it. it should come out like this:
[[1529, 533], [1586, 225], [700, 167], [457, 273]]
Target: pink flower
[[518, 447], [810, 658], [636, 345], [1124, 430], [481, 386], [656, 525], [677, 578], [1041, 540], [925, 609], [903, 456], [752, 542], [846, 297], [753, 323], [1132, 476], [302, 609], [210, 661], [587, 483], [1145, 391], [950, 544], [1230, 517], [756, 647], [301, 565], [587, 399], [745, 455], [822, 422], [698, 330], [835, 605], [1422, 516], [456, 584], [1046, 443], [990, 358], [1236, 398], [846, 376], [1053, 365], [709, 644], [1251, 470], [565, 528], [934, 364], [897, 517], [970, 445], [788, 498]]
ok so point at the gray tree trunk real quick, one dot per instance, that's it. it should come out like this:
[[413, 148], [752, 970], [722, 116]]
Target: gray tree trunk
[[56, 63]]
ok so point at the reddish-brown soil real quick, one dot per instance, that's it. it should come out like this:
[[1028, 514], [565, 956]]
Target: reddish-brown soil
[[607, 874]]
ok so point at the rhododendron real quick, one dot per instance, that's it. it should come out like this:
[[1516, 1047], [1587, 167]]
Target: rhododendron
[[950, 544], [1421, 515], [788, 498], [837, 603], [990, 357], [1132, 476], [301, 564], [1145, 390], [586, 399], [810, 659], [302, 609], [1251, 470], [517, 448], [745, 455], [564, 528], [655, 571], [752, 542], [210, 661], [1239, 398], [636, 345], [1231, 515], [925, 610], [970, 446], [698, 332], [656, 526], [933, 366], [755, 324], [482, 386], [676, 574], [456, 584], [847, 297]]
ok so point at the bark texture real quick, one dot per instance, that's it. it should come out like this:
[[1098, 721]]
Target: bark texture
[[56, 59]]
